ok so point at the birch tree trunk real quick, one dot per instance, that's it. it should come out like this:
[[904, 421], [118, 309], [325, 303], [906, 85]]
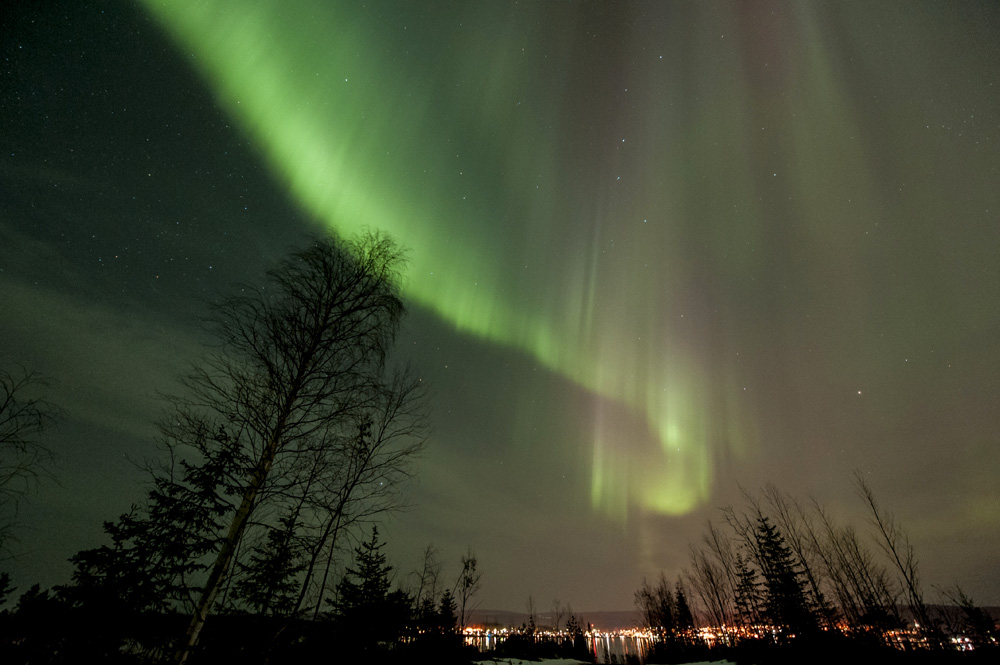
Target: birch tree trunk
[[300, 363]]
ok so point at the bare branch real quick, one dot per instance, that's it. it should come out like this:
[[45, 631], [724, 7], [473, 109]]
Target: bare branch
[[896, 544], [24, 459], [326, 433]]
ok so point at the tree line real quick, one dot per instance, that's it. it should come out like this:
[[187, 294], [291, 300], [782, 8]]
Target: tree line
[[780, 572], [293, 435], [289, 437]]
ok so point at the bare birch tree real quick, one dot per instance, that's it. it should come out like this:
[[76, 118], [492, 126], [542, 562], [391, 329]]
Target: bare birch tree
[[712, 580], [896, 544], [800, 536], [865, 593], [24, 458], [299, 378], [467, 586]]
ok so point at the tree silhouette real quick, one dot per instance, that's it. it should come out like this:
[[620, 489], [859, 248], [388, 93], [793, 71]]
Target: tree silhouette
[[447, 615], [6, 588], [974, 622], [786, 600], [864, 590], [367, 613], [895, 542], [748, 594], [656, 606], [270, 585], [293, 430], [799, 533], [157, 552], [684, 618], [24, 458], [467, 586]]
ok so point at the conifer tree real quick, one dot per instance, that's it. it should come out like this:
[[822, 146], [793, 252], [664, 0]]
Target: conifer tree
[[447, 613], [573, 626], [300, 364], [157, 552], [748, 593], [367, 612], [270, 585], [786, 600], [684, 619], [426, 617]]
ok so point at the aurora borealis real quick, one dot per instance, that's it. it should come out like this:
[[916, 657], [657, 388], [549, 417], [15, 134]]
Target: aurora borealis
[[348, 119], [657, 251]]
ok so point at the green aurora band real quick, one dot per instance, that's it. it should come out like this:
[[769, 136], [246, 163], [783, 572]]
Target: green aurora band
[[452, 138]]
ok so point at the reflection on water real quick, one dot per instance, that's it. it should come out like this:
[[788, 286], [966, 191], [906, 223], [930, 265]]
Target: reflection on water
[[485, 641], [606, 647], [619, 648]]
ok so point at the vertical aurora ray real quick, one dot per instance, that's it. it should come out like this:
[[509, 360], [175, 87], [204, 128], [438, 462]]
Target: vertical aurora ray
[[545, 207]]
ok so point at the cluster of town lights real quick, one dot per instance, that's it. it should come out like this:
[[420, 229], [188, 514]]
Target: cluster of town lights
[[720, 635]]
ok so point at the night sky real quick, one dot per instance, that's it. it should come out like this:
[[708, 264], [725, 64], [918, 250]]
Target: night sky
[[657, 251]]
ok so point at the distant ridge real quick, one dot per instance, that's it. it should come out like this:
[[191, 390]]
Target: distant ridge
[[602, 620], [611, 621]]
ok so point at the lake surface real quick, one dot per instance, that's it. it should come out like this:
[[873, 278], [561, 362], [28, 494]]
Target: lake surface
[[607, 648]]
